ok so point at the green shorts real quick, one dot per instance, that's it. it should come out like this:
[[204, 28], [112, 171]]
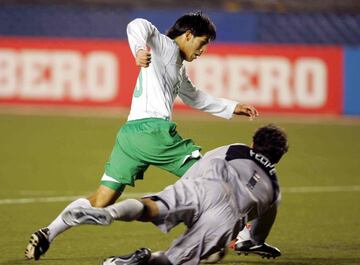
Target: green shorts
[[145, 142]]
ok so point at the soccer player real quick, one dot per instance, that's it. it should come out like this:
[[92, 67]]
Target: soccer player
[[216, 197], [149, 137], [227, 188]]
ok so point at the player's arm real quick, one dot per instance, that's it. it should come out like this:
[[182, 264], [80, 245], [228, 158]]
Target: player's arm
[[221, 107], [246, 110], [143, 36], [261, 226]]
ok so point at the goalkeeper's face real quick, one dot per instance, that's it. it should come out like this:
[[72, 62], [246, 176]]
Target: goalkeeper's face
[[193, 46]]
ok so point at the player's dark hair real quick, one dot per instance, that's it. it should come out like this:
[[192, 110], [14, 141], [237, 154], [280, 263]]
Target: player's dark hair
[[198, 23], [270, 141]]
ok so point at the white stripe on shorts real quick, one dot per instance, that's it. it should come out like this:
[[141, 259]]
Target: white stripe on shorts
[[108, 178], [194, 154]]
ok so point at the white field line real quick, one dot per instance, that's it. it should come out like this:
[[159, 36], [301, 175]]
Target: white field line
[[62, 198], [320, 189], [315, 189]]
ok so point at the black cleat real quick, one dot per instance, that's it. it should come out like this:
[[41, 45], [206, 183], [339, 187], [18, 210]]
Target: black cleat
[[38, 244], [139, 257], [264, 250]]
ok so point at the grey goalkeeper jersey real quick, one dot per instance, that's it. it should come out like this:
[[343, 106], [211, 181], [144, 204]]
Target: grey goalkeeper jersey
[[226, 188], [248, 177]]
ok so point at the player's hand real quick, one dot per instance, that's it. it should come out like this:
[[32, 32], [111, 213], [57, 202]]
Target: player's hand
[[143, 58], [246, 110]]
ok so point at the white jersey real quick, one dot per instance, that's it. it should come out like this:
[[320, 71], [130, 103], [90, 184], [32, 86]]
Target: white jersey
[[158, 85]]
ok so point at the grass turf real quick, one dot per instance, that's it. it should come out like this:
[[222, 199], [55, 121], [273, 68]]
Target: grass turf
[[64, 156]]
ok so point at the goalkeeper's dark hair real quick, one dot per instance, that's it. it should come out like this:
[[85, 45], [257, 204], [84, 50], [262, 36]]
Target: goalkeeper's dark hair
[[270, 141], [198, 23]]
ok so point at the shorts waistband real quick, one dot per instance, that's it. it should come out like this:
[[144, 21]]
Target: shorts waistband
[[148, 124], [147, 120]]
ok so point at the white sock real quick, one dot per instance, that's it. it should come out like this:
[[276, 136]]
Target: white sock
[[127, 210], [58, 226], [244, 234]]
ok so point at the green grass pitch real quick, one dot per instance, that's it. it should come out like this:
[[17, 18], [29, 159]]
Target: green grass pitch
[[44, 157]]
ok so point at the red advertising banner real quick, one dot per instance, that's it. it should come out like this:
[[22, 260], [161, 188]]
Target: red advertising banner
[[66, 72], [285, 79], [280, 79]]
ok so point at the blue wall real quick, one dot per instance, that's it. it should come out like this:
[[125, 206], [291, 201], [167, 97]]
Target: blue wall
[[231, 27], [62, 21], [110, 22], [106, 22]]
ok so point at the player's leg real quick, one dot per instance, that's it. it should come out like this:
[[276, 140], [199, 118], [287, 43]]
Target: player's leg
[[243, 235], [205, 241], [251, 240], [105, 195], [144, 210], [210, 226], [165, 142], [40, 240], [201, 240], [245, 244], [120, 170], [151, 209]]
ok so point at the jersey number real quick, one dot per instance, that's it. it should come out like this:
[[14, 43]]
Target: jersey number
[[138, 88]]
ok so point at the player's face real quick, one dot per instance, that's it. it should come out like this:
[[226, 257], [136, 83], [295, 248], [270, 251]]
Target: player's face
[[193, 46]]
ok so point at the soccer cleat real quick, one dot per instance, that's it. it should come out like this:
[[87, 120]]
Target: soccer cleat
[[139, 257], [264, 250], [38, 244], [93, 216]]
